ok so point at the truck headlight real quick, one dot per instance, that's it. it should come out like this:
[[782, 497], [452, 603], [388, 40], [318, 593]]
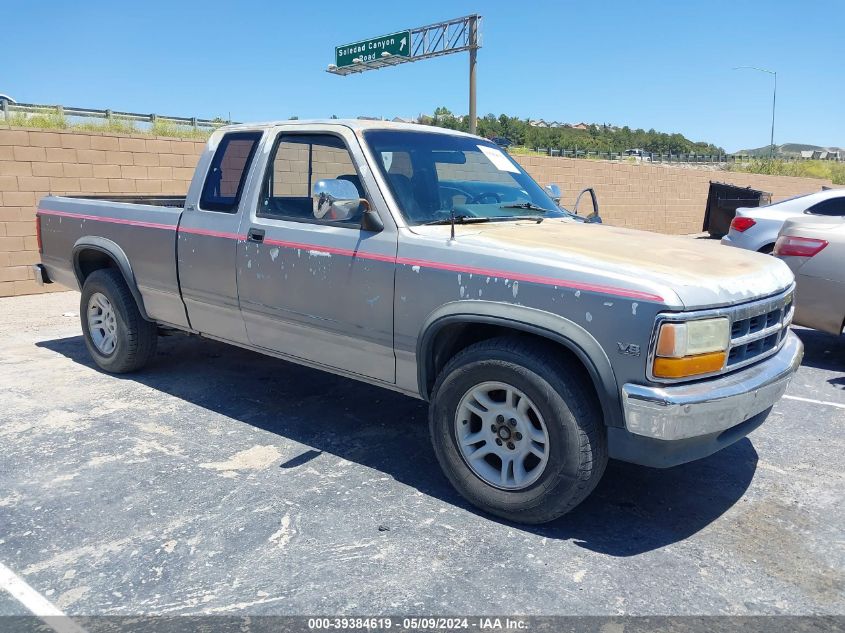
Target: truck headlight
[[691, 348]]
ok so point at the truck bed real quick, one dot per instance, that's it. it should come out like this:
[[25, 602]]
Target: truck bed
[[138, 232]]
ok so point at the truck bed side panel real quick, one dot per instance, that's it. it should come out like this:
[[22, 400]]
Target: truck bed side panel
[[146, 234]]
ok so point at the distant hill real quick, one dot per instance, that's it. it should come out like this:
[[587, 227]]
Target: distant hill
[[787, 149]]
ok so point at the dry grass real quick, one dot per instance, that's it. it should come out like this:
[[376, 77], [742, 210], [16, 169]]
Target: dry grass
[[55, 121], [832, 170]]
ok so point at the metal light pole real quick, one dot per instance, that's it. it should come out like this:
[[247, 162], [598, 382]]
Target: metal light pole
[[774, 99]]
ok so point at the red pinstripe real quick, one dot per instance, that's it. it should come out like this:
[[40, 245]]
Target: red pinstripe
[[210, 233]]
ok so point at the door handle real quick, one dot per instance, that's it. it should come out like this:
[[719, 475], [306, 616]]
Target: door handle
[[255, 235]]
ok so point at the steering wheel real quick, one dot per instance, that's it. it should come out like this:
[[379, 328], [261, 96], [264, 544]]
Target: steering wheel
[[447, 193], [477, 199], [473, 198]]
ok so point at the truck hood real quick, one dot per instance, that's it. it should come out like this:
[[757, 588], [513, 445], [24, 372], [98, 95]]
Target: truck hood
[[700, 273]]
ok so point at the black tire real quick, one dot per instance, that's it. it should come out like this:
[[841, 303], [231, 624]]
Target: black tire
[[768, 249], [567, 402], [136, 338]]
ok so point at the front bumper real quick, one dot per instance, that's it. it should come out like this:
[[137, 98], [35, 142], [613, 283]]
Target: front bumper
[[665, 426]]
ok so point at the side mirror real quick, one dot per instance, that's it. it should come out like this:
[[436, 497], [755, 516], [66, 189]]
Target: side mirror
[[335, 199], [594, 217], [371, 221], [553, 192]]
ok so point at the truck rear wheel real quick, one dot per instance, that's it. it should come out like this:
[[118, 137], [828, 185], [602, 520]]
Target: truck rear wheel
[[517, 432], [118, 338]]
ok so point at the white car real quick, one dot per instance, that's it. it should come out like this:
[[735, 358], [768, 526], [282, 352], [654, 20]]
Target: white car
[[757, 228]]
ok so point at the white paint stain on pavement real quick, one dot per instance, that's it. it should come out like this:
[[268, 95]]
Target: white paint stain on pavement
[[71, 596], [152, 427], [284, 534], [10, 500], [255, 458], [56, 420]]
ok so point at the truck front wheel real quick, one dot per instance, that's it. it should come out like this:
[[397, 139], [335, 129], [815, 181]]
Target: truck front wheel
[[118, 338], [517, 431]]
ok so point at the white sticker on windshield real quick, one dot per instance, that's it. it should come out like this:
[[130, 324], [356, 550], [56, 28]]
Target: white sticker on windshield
[[387, 160], [498, 158]]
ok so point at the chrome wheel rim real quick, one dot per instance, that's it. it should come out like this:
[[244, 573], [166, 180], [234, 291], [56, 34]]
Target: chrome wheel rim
[[102, 323], [502, 436]]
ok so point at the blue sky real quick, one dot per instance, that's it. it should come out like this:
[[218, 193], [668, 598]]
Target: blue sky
[[665, 65]]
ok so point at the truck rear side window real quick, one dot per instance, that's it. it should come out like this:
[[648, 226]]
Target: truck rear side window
[[227, 173]]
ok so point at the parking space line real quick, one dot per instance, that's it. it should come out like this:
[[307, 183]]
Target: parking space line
[[37, 604], [810, 400]]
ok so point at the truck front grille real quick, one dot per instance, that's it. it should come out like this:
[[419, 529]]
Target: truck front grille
[[758, 328]]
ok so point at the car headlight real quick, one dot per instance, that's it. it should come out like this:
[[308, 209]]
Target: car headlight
[[691, 348]]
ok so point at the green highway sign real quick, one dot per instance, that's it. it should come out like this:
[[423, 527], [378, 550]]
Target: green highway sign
[[398, 44]]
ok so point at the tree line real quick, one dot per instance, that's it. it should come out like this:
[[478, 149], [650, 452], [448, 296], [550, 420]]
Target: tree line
[[597, 137]]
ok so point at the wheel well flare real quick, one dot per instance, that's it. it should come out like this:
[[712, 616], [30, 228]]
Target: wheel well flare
[[452, 338]]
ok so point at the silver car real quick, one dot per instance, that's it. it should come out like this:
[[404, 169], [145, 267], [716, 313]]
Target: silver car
[[756, 229], [814, 248]]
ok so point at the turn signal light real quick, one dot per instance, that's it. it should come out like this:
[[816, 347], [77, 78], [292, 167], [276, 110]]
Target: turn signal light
[[742, 224], [688, 365], [791, 246]]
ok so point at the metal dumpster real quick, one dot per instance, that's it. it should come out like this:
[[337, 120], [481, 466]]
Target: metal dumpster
[[723, 200]]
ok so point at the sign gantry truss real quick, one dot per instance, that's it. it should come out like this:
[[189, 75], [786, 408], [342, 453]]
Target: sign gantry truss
[[426, 42]]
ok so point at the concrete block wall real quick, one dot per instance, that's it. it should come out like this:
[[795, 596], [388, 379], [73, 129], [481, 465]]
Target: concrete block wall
[[651, 197], [290, 169], [232, 166], [34, 163]]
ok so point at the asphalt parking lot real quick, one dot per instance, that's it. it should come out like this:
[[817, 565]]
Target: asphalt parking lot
[[222, 481]]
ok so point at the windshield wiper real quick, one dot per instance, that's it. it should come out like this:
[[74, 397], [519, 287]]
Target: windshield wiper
[[458, 219], [533, 218], [471, 219], [528, 206]]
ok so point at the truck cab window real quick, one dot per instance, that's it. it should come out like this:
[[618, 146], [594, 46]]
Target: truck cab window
[[296, 164], [224, 182]]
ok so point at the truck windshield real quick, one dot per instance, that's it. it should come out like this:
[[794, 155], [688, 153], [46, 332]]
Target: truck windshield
[[434, 176]]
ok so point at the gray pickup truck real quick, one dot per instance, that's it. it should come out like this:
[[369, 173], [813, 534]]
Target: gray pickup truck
[[429, 262]]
